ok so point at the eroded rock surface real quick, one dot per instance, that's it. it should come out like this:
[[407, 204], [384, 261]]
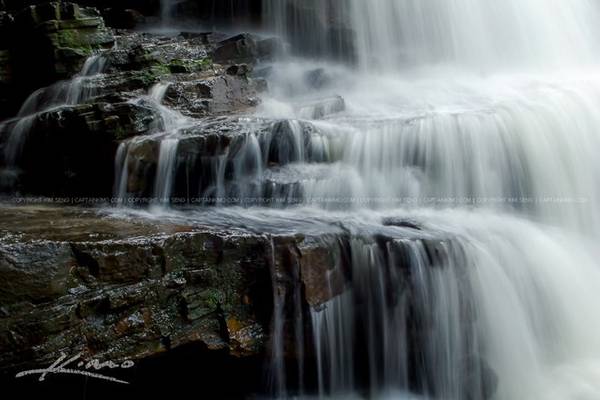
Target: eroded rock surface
[[75, 281]]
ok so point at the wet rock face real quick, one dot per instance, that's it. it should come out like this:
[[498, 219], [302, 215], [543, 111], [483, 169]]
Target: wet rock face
[[60, 147], [35, 273], [132, 298], [201, 95], [135, 289], [245, 48], [214, 151]]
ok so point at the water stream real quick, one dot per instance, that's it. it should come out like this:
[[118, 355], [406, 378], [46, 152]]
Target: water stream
[[455, 144], [478, 120], [68, 92]]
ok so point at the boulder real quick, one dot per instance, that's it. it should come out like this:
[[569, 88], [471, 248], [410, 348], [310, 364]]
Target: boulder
[[245, 48]]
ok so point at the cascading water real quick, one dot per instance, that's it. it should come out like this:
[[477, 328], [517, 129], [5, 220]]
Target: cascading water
[[69, 92], [385, 34], [473, 120], [166, 12], [476, 119], [171, 122], [166, 163]]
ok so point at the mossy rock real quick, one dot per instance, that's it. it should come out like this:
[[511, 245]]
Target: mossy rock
[[189, 66], [56, 38]]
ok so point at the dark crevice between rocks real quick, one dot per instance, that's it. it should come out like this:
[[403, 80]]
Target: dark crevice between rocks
[[85, 260]]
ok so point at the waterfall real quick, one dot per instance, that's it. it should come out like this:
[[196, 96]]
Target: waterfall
[[68, 92], [167, 160], [158, 92], [473, 120], [277, 365], [167, 138], [477, 119], [167, 11], [63, 93], [121, 173], [486, 312], [473, 33], [17, 139]]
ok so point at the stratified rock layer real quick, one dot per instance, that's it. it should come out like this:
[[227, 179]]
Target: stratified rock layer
[[73, 281]]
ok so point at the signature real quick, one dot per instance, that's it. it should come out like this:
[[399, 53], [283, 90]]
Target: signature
[[60, 367]]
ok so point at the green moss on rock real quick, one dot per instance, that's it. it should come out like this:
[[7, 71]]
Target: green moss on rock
[[188, 66]]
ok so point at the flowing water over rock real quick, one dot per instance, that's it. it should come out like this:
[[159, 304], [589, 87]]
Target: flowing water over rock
[[421, 181], [478, 120], [69, 92], [385, 34]]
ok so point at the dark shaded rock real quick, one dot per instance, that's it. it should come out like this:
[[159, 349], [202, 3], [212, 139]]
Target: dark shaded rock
[[142, 162], [267, 48], [124, 263], [321, 273], [239, 70], [35, 273], [189, 66], [6, 84], [6, 21], [70, 150], [241, 48], [6, 66], [123, 18], [122, 84], [197, 150], [55, 39], [45, 43], [245, 48], [207, 38], [229, 14]]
